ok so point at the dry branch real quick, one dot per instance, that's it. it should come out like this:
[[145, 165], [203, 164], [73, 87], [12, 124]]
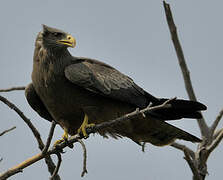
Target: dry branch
[[51, 166], [198, 163], [13, 89], [7, 130], [143, 146], [25, 119], [45, 149], [216, 133], [186, 74], [57, 167], [75, 138], [192, 165], [215, 143], [216, 122], [132, 115], [84, 171], [183, 148]]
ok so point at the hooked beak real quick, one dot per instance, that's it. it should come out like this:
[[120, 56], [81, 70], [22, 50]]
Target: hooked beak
[[69, 41]]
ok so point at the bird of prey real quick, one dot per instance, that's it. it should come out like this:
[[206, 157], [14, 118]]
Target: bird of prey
[[79, 92]]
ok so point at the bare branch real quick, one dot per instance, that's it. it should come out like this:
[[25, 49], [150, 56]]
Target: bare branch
[[217, 132], [21, 166], [35, 132], [25, 119], [45, 149], [1, 159], [76, 137], [132, 115], [13, 89], [216, 122], [57, 167], [179, 51], [84, 171], [37, 157], [215, 142], [10, 173], [51, 167], [192, 165], [143, 146], [183, 148], [186, 74], [7, 130]]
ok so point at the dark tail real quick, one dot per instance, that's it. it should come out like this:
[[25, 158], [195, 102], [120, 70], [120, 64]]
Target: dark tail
[[179, 109]]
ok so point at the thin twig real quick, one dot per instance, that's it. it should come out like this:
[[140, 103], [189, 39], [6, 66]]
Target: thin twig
[[186, 74], [76, 137], [13, 89], [182, 148], [45, 149], [216, 122], [217, 132], [191, 164], [143, 146], [7, 130], [132, 115], [84, 171], [215, 142], [57, 167], [51, 166], [179, 51]]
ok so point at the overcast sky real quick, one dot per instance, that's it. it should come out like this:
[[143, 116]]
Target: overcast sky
[[132, 36]]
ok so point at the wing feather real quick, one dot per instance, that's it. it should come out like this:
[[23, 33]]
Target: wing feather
[[36, 103], [107, 81]]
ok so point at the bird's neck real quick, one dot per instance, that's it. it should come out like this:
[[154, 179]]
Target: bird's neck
[[44, 56], [58, 53]]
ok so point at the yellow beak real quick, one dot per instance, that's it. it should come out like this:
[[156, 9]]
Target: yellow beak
[[69, 41]]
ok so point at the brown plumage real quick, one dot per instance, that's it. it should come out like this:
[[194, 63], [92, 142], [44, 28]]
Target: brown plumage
[[66, 88]]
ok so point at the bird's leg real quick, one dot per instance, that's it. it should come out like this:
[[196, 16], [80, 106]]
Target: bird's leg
[[85, 125], [64, 137]]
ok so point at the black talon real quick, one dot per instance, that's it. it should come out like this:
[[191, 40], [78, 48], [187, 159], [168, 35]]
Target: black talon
[[59, 149], [70, 145]]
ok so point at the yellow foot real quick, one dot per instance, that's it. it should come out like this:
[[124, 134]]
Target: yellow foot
[[64, 137], [85, 125]]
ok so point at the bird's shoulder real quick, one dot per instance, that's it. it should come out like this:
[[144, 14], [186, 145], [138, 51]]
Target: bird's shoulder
[[91, 63], [104, 79], [98, 71]]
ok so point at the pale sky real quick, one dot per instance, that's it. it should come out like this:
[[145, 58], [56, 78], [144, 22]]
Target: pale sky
[[133, 37]]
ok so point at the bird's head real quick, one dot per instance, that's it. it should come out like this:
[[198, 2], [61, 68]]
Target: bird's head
[[55, 38]]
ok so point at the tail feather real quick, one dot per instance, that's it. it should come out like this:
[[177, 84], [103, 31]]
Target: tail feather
[[162, 133], [179, 109], [171, 133]]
